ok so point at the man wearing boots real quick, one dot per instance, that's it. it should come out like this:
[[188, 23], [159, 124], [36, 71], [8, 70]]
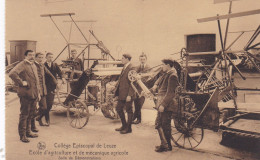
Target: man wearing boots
[[125, 94], [166, 104], [139, 101], [25, 76], [42, 72], [55, 70]]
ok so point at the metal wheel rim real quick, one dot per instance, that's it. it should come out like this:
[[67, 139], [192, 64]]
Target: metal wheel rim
[[186, 138], [78, 114]]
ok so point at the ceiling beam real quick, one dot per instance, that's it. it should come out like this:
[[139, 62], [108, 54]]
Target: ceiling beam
[[232, 15], [57, 14], [222, 1]]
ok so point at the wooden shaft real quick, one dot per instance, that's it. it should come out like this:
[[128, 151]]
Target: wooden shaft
[[253, 37], [233, 15], [109, 62], [79, 29], [60, 53], [234, 41], [144, 88], [58, 14], [226, 33]]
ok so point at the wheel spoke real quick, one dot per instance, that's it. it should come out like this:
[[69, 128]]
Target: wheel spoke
[[72, 121], [189, 141], [78, 114], [179, 138], [194, 139], [81, 116], [83, 121], [175, 133], [79, 123], [76, 122], [82, 113], [184, 141]]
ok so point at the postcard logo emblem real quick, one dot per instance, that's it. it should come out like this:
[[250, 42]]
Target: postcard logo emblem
[[41, 145]]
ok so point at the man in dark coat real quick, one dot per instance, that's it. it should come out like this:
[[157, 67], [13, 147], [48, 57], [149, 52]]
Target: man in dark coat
[[78, 66], [78, 63], [55, 70], [166, 104], [25, 76], [139, 100], [42, 73], [125, 93]]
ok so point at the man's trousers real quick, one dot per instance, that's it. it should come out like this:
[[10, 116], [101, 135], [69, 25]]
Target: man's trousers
[[128, 107], [27, 111], [163, 120], [138, 102], [129, 110], [49, 100], [42, 106]]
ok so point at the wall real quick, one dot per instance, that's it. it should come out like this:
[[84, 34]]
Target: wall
[[156, 27]]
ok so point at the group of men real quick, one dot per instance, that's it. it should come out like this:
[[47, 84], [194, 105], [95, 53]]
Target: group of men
[[37, 82], [166, 103]]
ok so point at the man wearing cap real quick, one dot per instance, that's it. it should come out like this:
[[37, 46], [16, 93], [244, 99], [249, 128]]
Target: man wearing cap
[[166, 104], [139, 101], [25, 76], [125, 93]]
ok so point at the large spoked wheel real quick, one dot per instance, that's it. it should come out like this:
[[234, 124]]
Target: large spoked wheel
[[78, 114], [185, 136]]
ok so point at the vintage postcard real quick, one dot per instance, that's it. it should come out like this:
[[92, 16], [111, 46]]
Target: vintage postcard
[[131, 80]]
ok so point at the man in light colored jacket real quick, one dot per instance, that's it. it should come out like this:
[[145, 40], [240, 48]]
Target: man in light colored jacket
[[25, 76]]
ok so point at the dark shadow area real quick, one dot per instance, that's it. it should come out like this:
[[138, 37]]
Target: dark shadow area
[[242, 143], [61, 113]]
